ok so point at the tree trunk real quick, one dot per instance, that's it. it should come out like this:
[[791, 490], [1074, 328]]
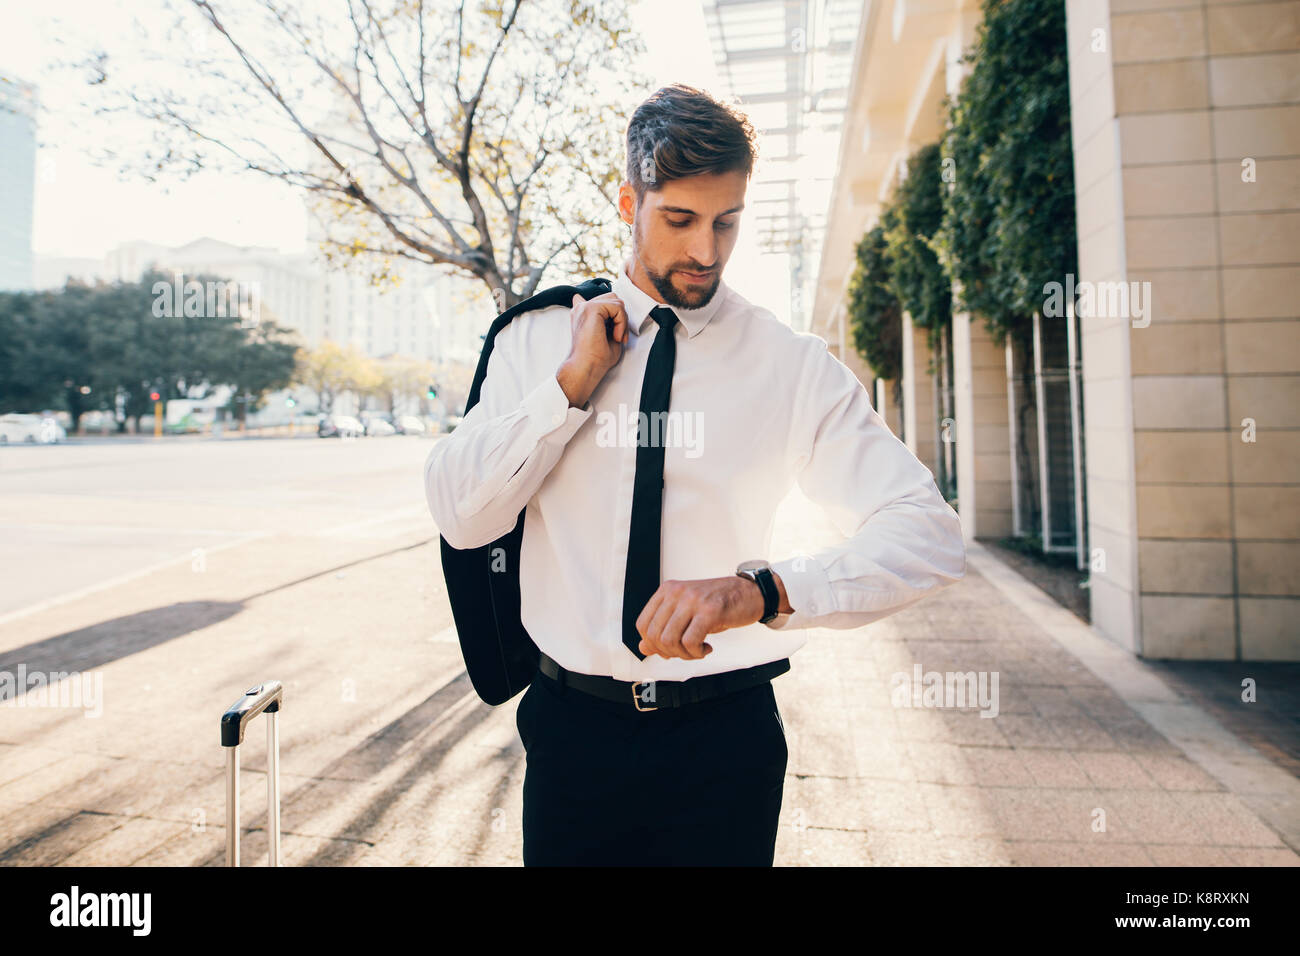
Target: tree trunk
[[1026, 412], [72, 398]]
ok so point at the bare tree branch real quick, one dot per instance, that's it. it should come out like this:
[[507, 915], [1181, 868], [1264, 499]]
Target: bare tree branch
[[533, 151]]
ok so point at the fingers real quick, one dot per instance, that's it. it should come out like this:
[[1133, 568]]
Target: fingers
[[666, 628], [659, 617], [648, 645], [618, 329], [648, 611], [693, 639], [681, 636], [609, 309], [674, 631], [606, 304], [672, 624]]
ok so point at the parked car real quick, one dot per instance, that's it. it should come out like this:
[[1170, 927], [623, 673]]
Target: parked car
[[98, 421], [339, 426], [410, 425], [187, 425], [380, 427], [30, 429]]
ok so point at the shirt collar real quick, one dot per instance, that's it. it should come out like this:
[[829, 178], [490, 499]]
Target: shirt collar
[[639, 304]]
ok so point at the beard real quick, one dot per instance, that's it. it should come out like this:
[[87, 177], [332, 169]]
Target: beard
[[698, 296]]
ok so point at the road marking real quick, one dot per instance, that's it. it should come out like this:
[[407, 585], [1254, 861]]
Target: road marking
[[116, 528]]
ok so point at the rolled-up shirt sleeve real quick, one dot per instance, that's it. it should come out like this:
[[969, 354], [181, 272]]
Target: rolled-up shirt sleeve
[[478, 478], [902, 540]]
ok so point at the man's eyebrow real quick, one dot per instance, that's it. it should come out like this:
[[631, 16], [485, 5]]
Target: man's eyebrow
[[692, 212]]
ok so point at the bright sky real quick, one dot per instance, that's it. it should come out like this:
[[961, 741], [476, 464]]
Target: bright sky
[[82, 209]]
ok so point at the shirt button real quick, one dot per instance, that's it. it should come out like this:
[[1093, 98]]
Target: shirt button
[[812, 607]]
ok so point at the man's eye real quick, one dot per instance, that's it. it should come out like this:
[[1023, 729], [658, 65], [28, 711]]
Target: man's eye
[[682, 224]]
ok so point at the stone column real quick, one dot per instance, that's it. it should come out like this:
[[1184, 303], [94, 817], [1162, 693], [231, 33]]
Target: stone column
[[1187, 165], [920, 416], [979, 383]]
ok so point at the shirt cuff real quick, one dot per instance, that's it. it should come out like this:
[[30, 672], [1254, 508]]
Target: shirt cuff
[[808, 589], [549, 414]]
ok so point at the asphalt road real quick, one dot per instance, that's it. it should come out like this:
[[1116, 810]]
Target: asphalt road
[[92, 514]]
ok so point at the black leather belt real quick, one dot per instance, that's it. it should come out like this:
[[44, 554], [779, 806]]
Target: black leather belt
[[655, 694]]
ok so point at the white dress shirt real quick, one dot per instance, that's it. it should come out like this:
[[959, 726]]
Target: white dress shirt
[[755, 407]]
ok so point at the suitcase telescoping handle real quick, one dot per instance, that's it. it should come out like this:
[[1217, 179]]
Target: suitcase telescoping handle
[[265, 698]]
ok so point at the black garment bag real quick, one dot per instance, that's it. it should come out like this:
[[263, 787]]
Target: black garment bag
[[500, 657]]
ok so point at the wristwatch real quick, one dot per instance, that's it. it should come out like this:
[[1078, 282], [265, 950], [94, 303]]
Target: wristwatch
[[760, 572]]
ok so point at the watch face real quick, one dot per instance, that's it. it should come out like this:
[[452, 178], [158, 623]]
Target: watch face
[[752, 566]]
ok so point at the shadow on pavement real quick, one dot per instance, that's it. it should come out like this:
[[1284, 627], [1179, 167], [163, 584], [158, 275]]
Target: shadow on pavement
[[378, 751], [102, 643], [90, 647]]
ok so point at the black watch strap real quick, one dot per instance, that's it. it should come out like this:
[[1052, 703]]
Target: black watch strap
[[771, 599]]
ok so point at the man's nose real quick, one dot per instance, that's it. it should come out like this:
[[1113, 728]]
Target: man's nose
[[703, 249]]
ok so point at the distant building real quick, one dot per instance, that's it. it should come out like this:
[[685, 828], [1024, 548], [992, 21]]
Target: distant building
[[18, 176], [54, 272], [461, 316], [417, 317], [286, 285], [396, 320]]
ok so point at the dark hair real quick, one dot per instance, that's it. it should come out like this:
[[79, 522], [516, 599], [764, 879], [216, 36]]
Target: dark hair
[[681, 131]]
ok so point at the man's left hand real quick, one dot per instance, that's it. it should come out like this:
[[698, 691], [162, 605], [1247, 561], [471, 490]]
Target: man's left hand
[[680, 614]]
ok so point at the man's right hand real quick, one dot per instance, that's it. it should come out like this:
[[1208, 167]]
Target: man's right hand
[[599, 327]]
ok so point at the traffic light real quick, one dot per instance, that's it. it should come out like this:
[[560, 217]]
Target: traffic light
[[432, 392], [154, 396], [290, 401]]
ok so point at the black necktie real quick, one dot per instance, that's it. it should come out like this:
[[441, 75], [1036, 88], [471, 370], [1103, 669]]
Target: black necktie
[[642, 579]]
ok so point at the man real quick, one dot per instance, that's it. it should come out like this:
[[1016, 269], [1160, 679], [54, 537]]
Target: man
[[651, 432]]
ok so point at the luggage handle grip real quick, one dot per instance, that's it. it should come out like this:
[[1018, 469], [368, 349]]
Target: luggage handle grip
[[265, 698]]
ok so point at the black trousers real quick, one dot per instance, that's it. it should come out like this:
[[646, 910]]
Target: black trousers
[[607, 785]]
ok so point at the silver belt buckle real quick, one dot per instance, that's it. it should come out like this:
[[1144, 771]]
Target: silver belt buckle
[[637, 698]]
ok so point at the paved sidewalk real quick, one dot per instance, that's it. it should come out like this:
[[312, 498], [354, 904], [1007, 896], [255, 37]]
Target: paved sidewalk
[[389, 758], [1071, 770]]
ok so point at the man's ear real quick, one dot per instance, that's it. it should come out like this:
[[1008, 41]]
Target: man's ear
[[627, 203]]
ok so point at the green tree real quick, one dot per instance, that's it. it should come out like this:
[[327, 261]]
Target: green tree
[[331, 369], [262, 362], [364, 379], [404, 378], [23, 386], [89, 347], [49, 351], [323, 369], [874, 314], [918, 279], [1009, 221]]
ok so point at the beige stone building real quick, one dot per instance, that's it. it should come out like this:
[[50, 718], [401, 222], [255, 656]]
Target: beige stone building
[[1186, 135]]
